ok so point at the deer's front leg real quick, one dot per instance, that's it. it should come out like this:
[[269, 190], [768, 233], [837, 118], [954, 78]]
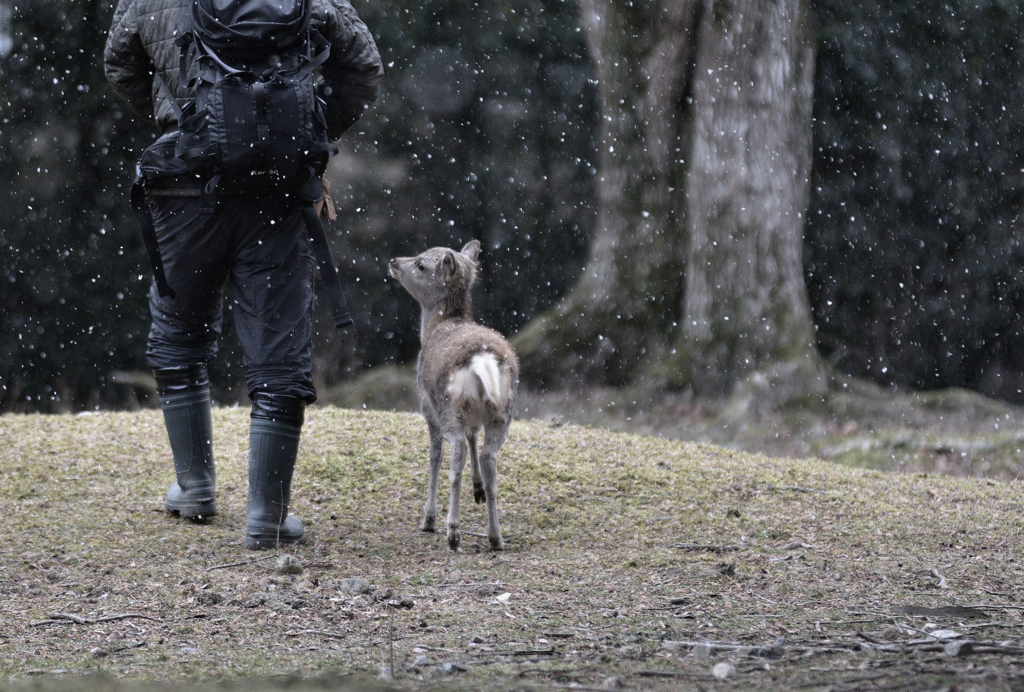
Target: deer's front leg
[[436, 454]]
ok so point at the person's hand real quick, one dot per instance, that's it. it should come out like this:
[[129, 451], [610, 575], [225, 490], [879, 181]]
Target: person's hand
[[326, 203]]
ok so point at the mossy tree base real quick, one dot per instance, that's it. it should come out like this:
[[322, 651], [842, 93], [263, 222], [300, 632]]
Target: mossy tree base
[[694, 280]]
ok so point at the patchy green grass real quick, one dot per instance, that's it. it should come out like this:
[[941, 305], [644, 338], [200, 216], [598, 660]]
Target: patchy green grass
[[642, 559]]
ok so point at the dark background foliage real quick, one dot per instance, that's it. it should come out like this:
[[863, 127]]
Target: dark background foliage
[[913, 251], [73, 276], [486, 129]]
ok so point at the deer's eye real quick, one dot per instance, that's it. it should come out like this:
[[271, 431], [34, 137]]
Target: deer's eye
[[419, 265]]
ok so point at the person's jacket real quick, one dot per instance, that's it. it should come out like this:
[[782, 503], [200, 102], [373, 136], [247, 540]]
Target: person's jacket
[[142, 38]]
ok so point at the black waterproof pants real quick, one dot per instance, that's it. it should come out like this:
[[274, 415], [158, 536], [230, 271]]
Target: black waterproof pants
[[257, 245]]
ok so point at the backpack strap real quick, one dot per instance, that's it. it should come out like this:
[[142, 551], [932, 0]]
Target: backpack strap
[[316, 40], [144, 218], [166, 91], [184, 43], [328, 272]]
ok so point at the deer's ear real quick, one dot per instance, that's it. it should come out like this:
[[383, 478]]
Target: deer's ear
[[472, 250], [449, 266]]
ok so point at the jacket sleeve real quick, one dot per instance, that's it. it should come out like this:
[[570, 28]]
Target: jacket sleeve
[[353, 72], [127, 65]]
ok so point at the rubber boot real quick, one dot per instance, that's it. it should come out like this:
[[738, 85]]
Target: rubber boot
[[274, 431], [185, 400]]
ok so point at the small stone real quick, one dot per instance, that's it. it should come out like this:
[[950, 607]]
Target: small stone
[[776, 650], [958, 648], [724, 671], [477, 639], [209, 598], [612, 683], [452, 667], [421, 662], [702, 650], [892, 633], [279, 606], [288, 564], [355, 586]]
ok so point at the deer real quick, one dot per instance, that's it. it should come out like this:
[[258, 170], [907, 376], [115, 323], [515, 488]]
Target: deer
[[467, 376]]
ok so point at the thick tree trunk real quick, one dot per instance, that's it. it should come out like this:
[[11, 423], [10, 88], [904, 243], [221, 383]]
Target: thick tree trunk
[[746, 304], [704, 170], [626, 302]]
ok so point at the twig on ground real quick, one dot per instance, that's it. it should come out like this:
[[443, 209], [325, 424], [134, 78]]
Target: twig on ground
[[867, 677], [696, 547], [525, 652], [562, 671], [242, 563], [127, 647], [477, 534], [673, 674], [60, 618], [867, 612], [329, 635]]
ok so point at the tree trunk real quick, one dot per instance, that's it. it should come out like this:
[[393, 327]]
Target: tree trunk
[[624, 306], [704, 170], [746, 304]]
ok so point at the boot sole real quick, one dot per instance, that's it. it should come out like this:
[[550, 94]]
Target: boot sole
[[191, 510], [269, 542]]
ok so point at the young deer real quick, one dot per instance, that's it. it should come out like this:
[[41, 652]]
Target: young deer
[[467, 376]]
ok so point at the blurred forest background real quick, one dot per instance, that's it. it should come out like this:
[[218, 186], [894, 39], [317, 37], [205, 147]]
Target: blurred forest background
[[487, 128]]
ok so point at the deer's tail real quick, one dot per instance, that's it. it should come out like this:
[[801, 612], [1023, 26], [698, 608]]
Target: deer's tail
[[482, 385]]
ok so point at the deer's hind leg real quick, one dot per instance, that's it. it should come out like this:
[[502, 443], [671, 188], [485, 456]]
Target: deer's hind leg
[[495, 437], [458, 445], [478, 485]]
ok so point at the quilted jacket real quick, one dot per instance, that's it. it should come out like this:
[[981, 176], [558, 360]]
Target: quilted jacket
[[142, 38]]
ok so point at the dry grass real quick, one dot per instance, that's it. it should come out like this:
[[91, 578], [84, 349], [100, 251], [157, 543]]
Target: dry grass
[[610, 570]]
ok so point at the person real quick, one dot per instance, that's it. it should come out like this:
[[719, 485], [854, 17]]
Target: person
[[257, 245]]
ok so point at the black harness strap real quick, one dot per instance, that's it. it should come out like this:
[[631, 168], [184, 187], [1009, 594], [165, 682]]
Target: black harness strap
[[328, 272]]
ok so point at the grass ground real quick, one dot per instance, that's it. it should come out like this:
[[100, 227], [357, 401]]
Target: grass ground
[[633, 562]]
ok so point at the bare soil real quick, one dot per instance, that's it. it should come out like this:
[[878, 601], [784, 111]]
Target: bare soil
[[633, 562]]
